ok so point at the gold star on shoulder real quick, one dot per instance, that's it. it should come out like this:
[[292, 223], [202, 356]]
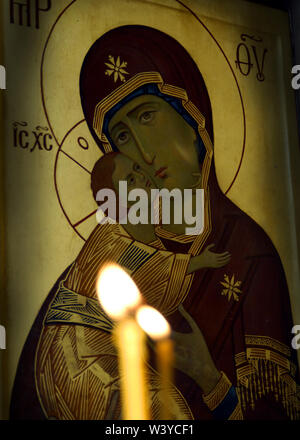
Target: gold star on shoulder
[[231, 288], [117, 68]]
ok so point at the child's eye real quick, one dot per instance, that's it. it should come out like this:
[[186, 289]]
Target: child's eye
[[136, 167], [131, 180], [146, 117]]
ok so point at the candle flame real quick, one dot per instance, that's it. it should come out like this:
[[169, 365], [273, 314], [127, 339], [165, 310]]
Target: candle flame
[[153, 323], [117, 292]]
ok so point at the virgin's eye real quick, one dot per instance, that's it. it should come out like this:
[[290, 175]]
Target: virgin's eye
[[131, 180], [122, 137], [146, 117]]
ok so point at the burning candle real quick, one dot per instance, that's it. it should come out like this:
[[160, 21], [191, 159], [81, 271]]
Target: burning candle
[[158, 328], [120, 297]]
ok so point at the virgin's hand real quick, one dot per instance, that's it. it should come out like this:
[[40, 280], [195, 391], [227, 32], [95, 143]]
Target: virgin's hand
[[192, 356]]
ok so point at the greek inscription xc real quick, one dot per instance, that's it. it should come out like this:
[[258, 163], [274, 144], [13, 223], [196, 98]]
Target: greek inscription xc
[[37, 139]]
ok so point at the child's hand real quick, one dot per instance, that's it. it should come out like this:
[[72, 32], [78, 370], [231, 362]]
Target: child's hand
[[212, 259], [208, 259]]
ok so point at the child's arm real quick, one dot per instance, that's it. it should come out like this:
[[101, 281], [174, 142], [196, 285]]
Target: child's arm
[[208, 259]]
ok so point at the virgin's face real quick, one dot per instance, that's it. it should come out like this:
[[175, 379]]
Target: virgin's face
[[151, 133]]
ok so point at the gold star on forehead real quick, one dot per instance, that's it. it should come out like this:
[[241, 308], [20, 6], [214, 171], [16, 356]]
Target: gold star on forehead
[[117, 68], [231, 288]]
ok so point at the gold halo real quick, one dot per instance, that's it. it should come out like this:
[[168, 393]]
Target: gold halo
[[73, 33]]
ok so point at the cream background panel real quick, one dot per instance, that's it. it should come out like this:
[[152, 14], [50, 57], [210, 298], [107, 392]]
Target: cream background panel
[[39, 242]]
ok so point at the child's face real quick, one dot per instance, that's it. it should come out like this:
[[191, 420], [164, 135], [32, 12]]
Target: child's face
[[131, 172]]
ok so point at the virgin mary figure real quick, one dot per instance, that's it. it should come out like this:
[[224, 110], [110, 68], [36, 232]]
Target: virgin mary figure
[[143, 96]]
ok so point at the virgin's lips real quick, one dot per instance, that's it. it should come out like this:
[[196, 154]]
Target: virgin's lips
[[161, 172]]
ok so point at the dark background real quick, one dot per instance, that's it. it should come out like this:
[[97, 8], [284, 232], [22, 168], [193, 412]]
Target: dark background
[[278, 4], [293, 9]]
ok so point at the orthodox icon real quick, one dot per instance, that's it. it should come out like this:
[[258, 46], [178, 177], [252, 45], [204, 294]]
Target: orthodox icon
[[224, 291]]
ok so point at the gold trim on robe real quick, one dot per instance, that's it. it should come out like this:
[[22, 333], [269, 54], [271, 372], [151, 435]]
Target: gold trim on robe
[[76, 350], [265, 369]]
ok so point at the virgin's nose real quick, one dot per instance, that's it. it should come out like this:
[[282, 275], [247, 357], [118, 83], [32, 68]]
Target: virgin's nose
[[147, 156]]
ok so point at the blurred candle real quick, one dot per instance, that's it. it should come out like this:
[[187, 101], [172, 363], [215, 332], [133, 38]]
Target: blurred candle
[[119, 297], [158, 328]]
